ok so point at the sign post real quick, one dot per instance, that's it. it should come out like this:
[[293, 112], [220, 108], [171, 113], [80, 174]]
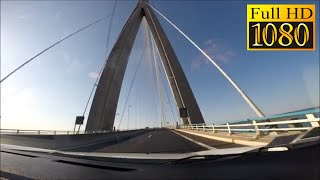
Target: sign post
[[184, 114], [79, 121]]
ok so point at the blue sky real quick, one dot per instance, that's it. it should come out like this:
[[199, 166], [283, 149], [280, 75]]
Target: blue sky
[[49, 92]]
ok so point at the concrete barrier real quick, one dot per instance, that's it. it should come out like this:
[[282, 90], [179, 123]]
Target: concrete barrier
[[58, 142]]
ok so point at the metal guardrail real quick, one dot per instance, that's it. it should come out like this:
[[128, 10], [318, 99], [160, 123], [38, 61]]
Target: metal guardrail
[[53, 132], [259, 127], [254, 126], [40, 132]]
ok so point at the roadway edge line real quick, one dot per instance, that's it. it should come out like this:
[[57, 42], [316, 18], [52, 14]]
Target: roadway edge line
[[230, 140], [194, 141]]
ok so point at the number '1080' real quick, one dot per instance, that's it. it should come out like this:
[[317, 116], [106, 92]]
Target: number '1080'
[[286, 31]]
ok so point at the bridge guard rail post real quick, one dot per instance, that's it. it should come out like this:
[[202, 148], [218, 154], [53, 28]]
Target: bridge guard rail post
[[203, 128], [254, 123], [213, 130], [229, 129], [311, 117]]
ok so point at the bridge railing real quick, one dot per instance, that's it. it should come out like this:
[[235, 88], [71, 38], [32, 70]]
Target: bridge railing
[[296, 122], [54, 132], [47, 132], [39, 132]]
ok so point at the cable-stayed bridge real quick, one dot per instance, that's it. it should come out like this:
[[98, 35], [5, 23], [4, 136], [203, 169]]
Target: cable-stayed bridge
[[181, 126]]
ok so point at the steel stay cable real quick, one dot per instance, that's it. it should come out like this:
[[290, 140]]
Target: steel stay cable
[[156, 47], [160, 92], [107, 47], [134, 77], [58, 42], [161, 84], [243, 95], [150, 68], [110, 24]]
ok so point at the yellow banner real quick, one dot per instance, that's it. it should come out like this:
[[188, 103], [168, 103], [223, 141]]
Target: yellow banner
[[281, 27], [281, 12]]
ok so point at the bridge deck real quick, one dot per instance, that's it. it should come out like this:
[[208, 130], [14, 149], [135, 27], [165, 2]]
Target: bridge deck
[[153, 141], [158, 141], [164, 141]]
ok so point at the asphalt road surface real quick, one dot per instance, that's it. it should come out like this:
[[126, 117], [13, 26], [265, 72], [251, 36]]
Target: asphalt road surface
[[150, 141], [164, 141]]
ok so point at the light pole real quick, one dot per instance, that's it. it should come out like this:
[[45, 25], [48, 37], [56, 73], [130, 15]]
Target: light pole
[[114, 127], [128, 116]]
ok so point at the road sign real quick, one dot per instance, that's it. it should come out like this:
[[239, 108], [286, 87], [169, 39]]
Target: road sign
[[183, 112], [79, 119]]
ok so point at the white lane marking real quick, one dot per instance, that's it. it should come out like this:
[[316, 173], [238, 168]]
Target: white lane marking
[[194, 141], [149, 136]]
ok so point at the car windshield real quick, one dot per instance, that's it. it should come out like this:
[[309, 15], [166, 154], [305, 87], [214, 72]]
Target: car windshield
[[168, 78]]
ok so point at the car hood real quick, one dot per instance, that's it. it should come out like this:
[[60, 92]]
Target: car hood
[[227, 151]]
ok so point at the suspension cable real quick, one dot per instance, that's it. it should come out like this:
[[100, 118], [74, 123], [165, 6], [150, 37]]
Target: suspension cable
[[134, 77], [28, 61], [140, 106], [160, 92], [104, 64], [159, 76], [177, 108], [168, 100], [150, 68], [244, 96], [110, 23]]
